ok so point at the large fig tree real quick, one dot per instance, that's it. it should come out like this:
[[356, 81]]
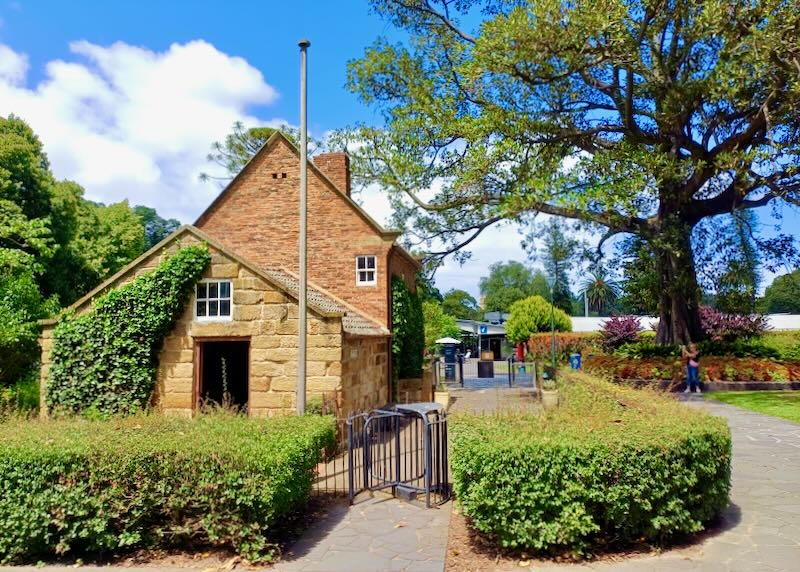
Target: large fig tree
[[639, 116]]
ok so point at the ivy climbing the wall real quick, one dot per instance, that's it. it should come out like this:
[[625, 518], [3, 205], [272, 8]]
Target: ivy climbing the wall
[[408, 341], [106, 360]]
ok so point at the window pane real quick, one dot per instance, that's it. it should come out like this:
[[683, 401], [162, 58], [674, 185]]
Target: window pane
[[224, 289], [212, 290], [370, 262], [213, 308], [362, 263], [201, 290], [224, 308], [371, 276], [201, 309]]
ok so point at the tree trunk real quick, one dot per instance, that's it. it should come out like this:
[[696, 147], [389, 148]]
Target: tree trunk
[[679, 302]]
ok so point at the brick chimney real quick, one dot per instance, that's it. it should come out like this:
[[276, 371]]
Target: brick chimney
[[335, 166]]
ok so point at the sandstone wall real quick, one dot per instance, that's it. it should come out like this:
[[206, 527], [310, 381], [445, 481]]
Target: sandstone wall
[[365, 373]]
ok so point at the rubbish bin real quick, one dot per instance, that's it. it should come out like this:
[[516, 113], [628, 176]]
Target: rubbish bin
[[486, 369], [575, 361]]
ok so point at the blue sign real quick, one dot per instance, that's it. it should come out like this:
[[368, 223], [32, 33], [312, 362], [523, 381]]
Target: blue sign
[[484, 329]]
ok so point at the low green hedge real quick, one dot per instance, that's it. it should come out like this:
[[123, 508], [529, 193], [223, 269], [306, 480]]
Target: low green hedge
[[610, 466], [78, 487]]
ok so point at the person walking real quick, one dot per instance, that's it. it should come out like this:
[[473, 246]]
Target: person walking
[[691, 357]]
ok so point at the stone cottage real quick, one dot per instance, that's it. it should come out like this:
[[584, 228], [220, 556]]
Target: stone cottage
[[240, 327]]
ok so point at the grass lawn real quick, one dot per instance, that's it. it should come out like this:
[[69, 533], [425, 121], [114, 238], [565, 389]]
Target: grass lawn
[[785, 404]]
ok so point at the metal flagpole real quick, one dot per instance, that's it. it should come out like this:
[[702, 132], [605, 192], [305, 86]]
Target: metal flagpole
[[301, 322]]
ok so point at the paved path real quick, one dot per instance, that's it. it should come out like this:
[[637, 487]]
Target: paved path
[[377, 535], [761, 529]]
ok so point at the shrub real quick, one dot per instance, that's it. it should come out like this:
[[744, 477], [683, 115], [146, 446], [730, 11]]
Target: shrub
[[640, 350], [539, 345], [77, 487], [618, 330], [719, 326], [610, 465], [408, 341], [106, 360], [712, 368], [534, 314]]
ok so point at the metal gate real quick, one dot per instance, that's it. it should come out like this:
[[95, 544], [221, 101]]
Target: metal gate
[[403, 449]]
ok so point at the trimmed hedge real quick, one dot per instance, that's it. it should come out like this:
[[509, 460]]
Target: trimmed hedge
[[610, 466], [81, 487], [713, 368]]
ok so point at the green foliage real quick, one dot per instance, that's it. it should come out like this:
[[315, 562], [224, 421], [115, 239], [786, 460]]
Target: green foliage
[[558, 253], [408, 331], [21, 305], [611, 466], [438, 325], [509, 282], [601, 290], [534, 314], [155, 228], [783, 295], [76, 487], [461, 305], [633, 118], [540, 345], [106, 360], [640, 280]]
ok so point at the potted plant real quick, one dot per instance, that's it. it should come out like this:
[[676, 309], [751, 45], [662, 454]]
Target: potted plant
[[549, 390], [441, 395]]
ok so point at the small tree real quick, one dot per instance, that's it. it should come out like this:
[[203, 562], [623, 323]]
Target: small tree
[[438, 325], [532, 315]]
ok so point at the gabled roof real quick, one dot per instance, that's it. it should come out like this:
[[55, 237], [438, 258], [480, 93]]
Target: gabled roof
[[276, 137], [322, 303]]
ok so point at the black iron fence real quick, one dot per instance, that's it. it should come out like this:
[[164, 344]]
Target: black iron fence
[[472, 372]]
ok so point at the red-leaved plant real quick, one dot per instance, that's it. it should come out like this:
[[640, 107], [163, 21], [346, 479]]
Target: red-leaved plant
[[726, 327], [618, 330]]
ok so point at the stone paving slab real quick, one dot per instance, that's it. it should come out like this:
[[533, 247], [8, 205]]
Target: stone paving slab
[[376, 535]]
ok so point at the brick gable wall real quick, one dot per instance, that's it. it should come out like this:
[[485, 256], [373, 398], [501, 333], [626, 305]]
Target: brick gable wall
[[258, 219]]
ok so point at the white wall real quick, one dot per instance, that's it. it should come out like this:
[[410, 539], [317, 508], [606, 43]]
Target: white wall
[[776, 322]]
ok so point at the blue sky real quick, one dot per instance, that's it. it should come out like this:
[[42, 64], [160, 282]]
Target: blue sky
[[128, 96]]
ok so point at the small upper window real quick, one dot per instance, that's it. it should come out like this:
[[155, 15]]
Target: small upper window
[[213, 300], [366, 273]]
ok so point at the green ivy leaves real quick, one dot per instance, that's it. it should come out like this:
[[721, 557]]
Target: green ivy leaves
[[408, 331], [106, 359]]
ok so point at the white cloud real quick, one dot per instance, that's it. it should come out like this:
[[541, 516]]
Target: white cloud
[[13, 66], [127, 122]]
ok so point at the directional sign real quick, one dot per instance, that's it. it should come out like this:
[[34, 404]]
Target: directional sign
[[484, 329]]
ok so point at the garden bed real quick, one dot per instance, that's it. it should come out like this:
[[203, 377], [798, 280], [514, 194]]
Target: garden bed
[[612, 466], [712, 369], [84, 488]]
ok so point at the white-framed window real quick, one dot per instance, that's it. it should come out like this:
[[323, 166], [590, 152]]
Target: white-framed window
[[366, 271], [213, 300]]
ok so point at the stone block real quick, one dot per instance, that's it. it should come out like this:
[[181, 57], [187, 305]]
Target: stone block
[[248, 284], [178, 385], [227, 328], [283, 354], [269, 400], [334, 368], [246, 313], [267, 368], [176, 370], [246, 297], [265, 341], [324, 354], [174, 343], [224, 270], [176, 356], [284, 383], [287, 327], [274, 312], [274, 297], [260, 383], [178, 412], [324, 341], [176, 401], [322, 383]]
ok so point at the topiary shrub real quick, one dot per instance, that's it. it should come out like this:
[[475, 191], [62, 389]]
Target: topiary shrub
[[534, 314], [73, 487], [106, 360], [609, 467], [540, 345], [408, 331]]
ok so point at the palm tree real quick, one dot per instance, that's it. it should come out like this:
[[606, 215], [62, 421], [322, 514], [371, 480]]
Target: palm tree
[[600, 289]]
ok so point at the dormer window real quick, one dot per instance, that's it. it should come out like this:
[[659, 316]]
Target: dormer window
[[213, 300], [366, 271]]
